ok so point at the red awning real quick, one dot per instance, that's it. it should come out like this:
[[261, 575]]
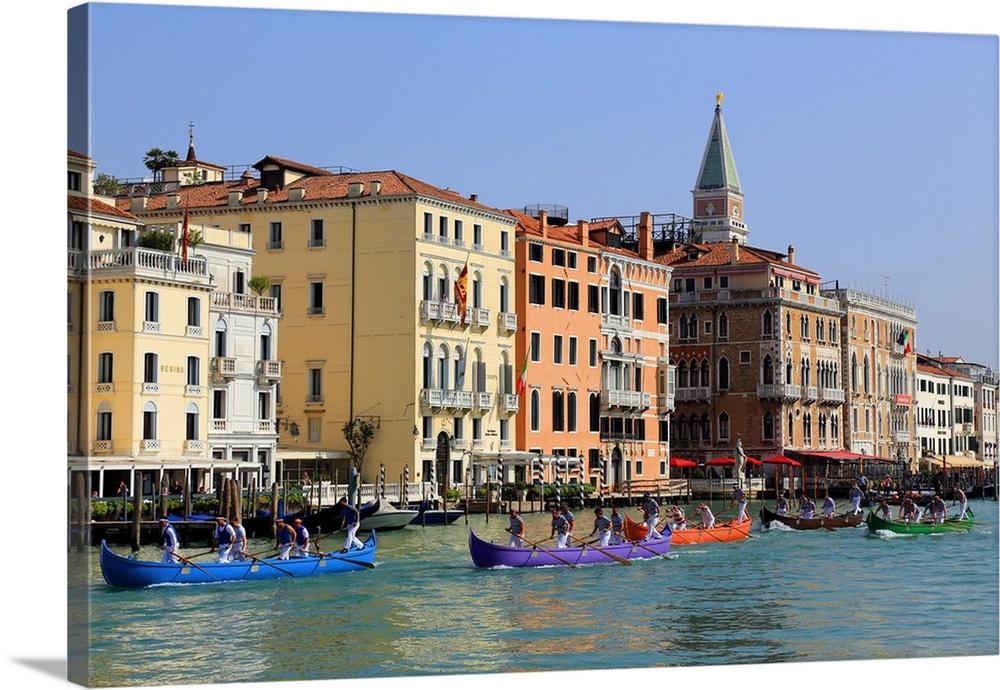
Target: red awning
[[681, 462], [731, 461], [835, 455], [781, 460]]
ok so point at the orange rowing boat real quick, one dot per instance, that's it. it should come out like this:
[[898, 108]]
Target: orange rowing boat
[[727, 531]]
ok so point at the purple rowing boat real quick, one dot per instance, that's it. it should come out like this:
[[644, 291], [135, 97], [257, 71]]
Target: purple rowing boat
[[486, 554]]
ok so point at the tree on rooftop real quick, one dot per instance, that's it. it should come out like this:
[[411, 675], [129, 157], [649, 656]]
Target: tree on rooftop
[[157, 159]]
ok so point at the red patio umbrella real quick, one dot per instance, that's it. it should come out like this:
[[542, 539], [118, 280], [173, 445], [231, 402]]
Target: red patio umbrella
[[782, 460], [681, 462], [731, 461]]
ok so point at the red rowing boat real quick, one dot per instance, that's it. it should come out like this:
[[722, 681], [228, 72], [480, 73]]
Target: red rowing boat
[[727, 531]]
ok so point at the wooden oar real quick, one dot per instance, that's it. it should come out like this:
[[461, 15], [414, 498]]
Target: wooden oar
[[655, 553], [203, 553], [194, 565], [623, 561], [261, 560], [544, 550], [340, 557]]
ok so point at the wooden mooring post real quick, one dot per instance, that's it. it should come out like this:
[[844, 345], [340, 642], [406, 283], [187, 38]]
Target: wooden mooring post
[[133, 539]]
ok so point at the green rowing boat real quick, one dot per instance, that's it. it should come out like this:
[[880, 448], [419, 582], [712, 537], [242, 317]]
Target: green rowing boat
[[875, 523]]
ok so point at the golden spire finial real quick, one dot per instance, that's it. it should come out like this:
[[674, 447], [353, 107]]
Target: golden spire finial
[[718, 98]]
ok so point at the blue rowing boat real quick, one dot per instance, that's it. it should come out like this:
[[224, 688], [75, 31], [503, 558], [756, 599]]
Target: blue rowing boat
[[120, 571]]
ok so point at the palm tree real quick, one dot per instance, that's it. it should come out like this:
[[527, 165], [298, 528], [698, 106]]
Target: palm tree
[[157, 159]]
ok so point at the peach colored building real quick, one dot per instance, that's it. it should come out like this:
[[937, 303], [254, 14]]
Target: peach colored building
[[593, 305]]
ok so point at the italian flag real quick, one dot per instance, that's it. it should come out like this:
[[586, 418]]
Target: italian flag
[[522, 380], [904, 341]]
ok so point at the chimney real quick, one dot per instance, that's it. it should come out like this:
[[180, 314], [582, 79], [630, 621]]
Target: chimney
[[261, 195], [173, 200], [735, 253], [791, 254], [646, 235], [138, 203], [375, 187], [246, 178], [296, 193], [354, 189], [543, 223], [583, 228], [234, 197], [473, 197]]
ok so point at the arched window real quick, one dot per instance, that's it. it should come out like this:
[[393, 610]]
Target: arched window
[[220, 338], [706, 427], [723, 325], [791, 429], [571, 411], [683, 328], [504, 295], [788, 370], [558, 418], [191, 422], [868, 374], [682, 427], [693, 326], [265, 342], [149, 420], [615, 295], [427, 282], [768, 430], [724, 427], [104, 419], [536, 410], [695, 427], [443, 294], [476, 296], [442, 367], [767, 370], [854, 372], [460, 367], [767, 324], [682, 375], [595, 412], [724, 374], [428, 377]]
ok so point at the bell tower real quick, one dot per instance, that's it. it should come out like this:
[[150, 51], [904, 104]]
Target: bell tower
[[718, 198]]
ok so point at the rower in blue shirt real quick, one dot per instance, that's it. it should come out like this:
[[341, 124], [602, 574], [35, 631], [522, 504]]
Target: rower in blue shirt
[[224, 537], [286, 538], [651, 514], [351, 519], [301, 539], [170, 542]]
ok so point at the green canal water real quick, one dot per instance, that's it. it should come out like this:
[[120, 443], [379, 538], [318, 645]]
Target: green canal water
[[780, 596]]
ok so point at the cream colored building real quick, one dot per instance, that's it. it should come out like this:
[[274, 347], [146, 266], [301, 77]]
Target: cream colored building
[[879, 364], [142, 323], [362, 268]]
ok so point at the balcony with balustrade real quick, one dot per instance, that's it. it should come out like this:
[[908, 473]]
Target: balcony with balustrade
[[484, 401], [269, 370], [138, 262], [507, 322], [831, 396], [509, 402], [779, 391], [442, 398], [248, 304], [810, 393], [622, 323], [698, 394], [612, 397], [223, 368]]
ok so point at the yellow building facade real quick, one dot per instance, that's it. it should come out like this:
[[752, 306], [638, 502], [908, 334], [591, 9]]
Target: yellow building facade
[[140, 334], [362, 268]]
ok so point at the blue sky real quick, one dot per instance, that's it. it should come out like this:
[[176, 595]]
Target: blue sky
[[873, 152]]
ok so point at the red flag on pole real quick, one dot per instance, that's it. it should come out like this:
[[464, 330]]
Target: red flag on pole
[[462, 291], [522, 380], [184, 250]]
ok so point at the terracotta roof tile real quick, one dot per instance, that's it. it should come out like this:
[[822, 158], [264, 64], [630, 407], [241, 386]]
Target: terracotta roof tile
[[76, 154], [322, 185], [82, 203], [721, 254]]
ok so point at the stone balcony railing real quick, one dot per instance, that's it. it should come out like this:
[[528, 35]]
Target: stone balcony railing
[[484, 401], [235, 301], [689, 394], [507, 321], [446, 398], [509, 402], [139, 262], [831, 396], [616, 321], [612, 397], [269, 370], [779, 390]]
